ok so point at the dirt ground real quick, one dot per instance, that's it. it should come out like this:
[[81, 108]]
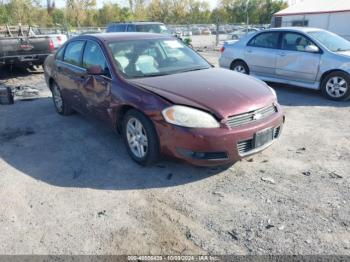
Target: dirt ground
[[67, 186]]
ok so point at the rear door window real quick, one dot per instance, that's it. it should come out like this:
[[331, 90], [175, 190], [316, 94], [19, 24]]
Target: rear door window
[[120, 28], [74, 53], [152, 28], [265, 40], [131, 28]]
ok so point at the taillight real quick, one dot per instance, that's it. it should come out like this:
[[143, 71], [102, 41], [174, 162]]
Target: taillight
[[51, 45], [222, 49]]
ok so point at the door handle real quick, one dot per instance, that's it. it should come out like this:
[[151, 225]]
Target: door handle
[[249, 51], [282, 54]]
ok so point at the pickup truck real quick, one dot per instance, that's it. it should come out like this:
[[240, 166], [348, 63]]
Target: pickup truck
[[57, 36], [23, 47]]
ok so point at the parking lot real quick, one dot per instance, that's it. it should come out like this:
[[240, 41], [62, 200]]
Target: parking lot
[[68, 186]]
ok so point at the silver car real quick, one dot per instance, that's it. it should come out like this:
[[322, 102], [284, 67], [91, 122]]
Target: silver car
[[306, 57], [241, 33]]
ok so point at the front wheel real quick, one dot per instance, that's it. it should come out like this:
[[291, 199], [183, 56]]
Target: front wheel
[[140, 138], [336, 86], [240, 67]]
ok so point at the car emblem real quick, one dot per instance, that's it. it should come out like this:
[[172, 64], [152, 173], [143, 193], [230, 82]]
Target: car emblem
[[257, 116], [26, 47]]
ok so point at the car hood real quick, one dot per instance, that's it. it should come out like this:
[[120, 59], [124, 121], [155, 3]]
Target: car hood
[[345, 53], [220, 91]]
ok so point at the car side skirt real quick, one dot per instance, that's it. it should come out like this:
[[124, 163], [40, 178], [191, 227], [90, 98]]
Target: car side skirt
[[313, 85]]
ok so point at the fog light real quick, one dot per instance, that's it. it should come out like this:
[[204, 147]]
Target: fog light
[[203, 155]]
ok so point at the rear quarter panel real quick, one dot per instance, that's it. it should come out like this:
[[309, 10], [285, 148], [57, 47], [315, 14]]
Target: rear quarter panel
[[233, 51], [49, 68]]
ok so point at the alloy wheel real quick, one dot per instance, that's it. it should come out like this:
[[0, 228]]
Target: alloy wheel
[[240, 69], [336, 87], [137, 137], [57, 98]]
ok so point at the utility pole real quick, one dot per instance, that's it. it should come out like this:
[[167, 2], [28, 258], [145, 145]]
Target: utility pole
[[217, 30], [247, 15]]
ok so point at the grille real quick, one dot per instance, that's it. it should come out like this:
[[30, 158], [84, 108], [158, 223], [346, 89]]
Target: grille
[[250, 117], [215, 155], [246, 146], [203, 155], [276, 132]]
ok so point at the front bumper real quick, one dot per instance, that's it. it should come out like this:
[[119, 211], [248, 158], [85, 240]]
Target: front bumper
[[219, 146], [30, 59]]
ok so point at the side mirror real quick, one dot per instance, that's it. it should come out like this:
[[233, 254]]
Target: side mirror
[[312, 49], [95, 70]]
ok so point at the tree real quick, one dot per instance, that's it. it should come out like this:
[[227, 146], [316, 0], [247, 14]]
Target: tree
[[259, 11], [19, 11], [78, 11], [219, 15], [3, 14], [57, 16], [199, 12], [270, 7], [84, 12], [160, 10], [112, 13]]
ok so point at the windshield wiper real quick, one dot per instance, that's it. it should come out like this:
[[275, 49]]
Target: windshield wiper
[[192, 69], [169, 73], [148, 75], [342, 50], [156, 74]]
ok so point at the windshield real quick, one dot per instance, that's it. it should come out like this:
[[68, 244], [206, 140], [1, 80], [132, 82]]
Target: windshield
[[152, 28], [332, 41], [155, 57]]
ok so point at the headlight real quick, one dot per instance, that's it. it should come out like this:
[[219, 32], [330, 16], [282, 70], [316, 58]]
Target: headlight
[[189, 117], [273, 91]]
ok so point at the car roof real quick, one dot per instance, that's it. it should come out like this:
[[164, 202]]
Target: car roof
[[108, 37], [295, 29]]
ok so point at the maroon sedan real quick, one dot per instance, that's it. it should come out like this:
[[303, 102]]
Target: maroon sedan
[[164, 98]]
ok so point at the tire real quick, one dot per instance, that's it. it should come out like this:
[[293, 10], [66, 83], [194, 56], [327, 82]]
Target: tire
[[240, 67], [142, 142], [61, 106], [336, 86]]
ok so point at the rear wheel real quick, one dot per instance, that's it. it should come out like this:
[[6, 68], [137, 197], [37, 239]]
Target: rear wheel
[[336, 86], [140, 138], [59, 102], [240, 67]]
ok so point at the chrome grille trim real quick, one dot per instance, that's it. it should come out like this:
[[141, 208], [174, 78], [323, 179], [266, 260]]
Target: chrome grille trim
[[245, 146], [246, 118], [276, 132]]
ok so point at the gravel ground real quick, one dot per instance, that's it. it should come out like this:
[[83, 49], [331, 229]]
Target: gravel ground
[[207, 41], [67, 186]]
